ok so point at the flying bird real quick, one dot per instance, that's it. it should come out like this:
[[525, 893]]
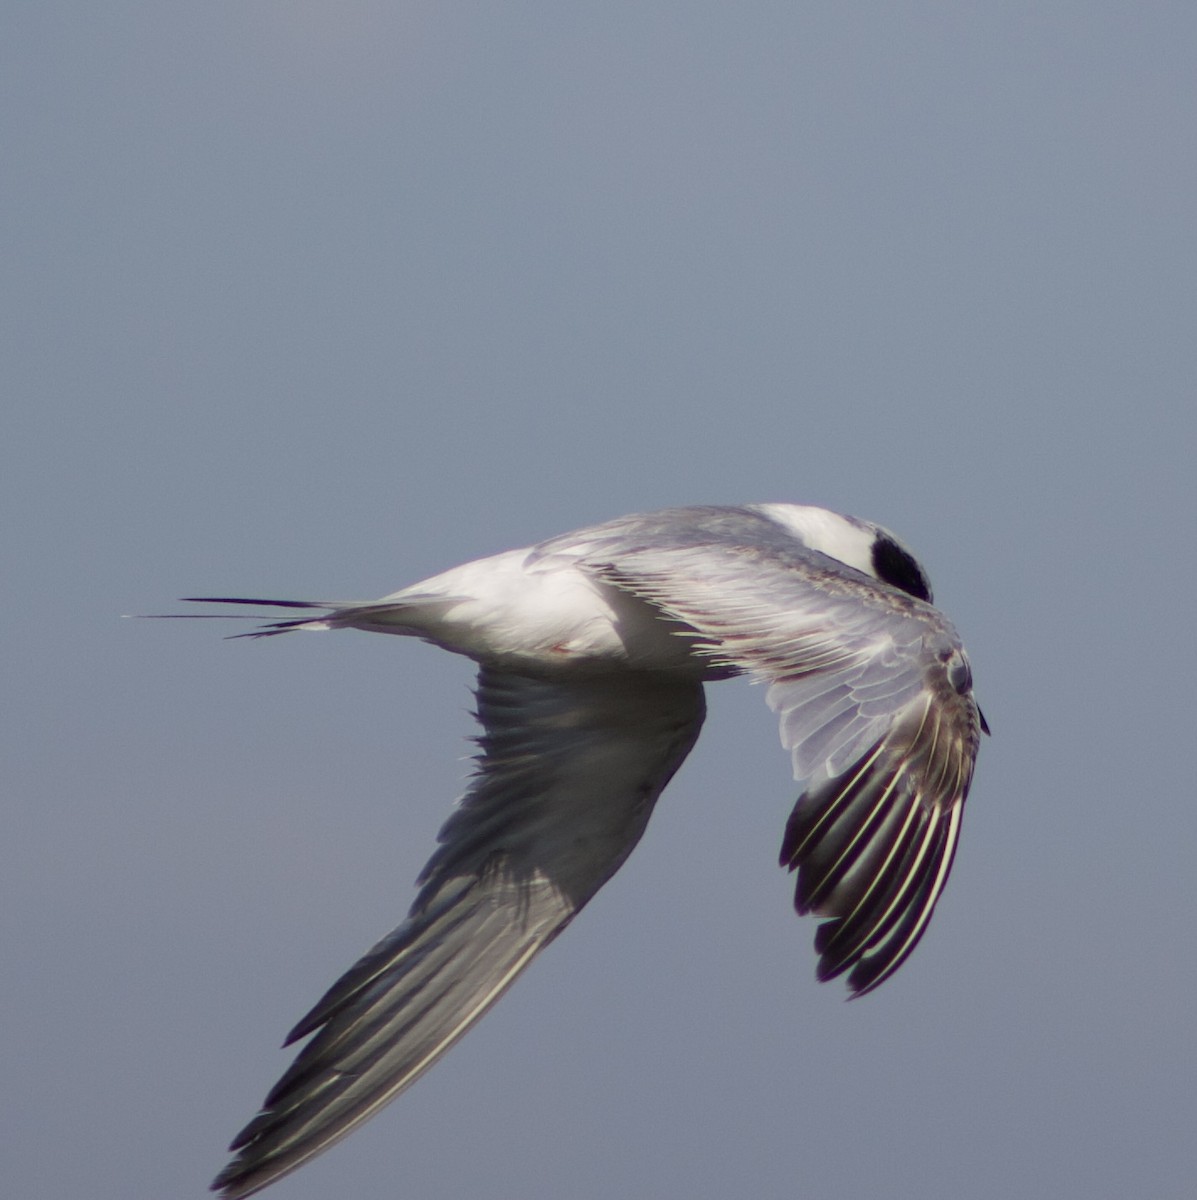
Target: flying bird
[[593, 649]]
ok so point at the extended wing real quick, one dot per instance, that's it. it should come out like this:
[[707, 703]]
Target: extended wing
[[874, 697], [567, 779]]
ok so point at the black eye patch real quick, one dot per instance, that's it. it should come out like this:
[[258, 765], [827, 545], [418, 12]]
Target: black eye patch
[[898, 568]]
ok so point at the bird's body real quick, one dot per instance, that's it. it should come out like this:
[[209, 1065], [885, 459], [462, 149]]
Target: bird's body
[[593, 649]]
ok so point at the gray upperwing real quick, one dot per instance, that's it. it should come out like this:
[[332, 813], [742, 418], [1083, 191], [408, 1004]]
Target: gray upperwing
[[874, 699], [566, 781]]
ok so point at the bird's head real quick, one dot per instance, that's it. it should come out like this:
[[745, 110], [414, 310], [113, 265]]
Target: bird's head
[[862, 545]]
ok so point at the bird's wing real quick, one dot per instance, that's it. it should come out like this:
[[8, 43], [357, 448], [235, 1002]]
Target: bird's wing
[[564, 786], [874, 695]]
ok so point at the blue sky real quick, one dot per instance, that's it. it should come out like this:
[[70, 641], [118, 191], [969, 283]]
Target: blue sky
[[310, 299]]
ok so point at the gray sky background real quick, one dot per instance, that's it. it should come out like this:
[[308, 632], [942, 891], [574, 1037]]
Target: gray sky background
[[309, 299]]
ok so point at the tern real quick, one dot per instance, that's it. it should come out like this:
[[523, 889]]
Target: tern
[[593, 649]]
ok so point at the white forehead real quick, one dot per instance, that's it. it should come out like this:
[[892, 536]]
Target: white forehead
[[843, 538]]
